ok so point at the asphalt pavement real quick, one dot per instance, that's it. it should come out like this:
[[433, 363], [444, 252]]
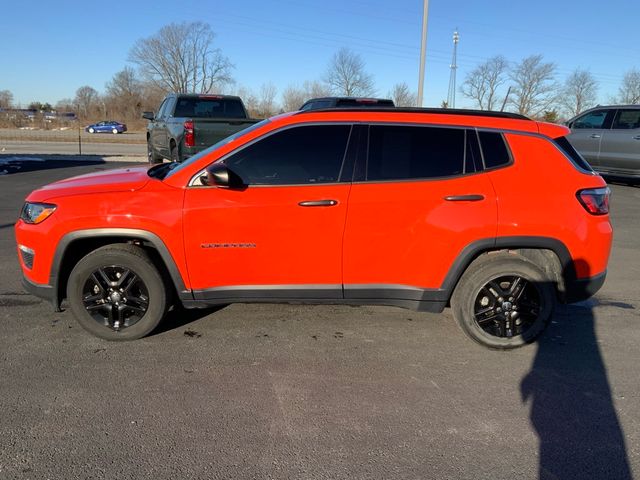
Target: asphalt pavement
[[318, 392]]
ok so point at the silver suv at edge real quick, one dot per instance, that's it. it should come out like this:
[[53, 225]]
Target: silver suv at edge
[[608, 137]]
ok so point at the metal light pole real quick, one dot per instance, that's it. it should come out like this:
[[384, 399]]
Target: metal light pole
[[423, 51]]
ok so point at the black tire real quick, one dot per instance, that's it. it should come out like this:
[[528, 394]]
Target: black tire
[[151, 156], [100, 283], [175, 154], [503, 301]]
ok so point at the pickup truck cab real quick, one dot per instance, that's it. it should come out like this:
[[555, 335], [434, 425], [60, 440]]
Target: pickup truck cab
[[186, 124]]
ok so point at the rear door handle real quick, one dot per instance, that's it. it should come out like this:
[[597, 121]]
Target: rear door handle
[[595, 135], [464, 198], [318, 203]]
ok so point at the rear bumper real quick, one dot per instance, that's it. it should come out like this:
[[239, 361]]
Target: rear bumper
[[583, 288]]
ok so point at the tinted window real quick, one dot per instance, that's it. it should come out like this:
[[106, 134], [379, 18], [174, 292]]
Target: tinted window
[[397, 153], [317, 105], [494, 149], [627, 119], [571, 152], [591, 120], [311, 154], [209, 108]]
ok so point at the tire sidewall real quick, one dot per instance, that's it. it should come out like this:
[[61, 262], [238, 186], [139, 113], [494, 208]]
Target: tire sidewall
[[463, 300], [145, 270]]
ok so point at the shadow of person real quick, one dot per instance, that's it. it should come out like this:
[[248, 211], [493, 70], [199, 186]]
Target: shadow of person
[[572, 408]]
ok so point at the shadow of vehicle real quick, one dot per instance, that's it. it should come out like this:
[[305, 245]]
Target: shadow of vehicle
[[19, 163], [179, 317], [572, 406]]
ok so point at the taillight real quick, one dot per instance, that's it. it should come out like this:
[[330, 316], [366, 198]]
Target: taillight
[[189, 139], [595, 200]]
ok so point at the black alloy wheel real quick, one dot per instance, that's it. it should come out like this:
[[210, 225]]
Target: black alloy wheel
[[116, 292], [507, 306], [115, 296]]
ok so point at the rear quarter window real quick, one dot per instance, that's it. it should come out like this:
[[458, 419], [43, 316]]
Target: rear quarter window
[[572, 154], [495, 152]]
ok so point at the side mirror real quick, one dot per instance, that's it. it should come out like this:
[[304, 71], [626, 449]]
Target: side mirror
[[148, 115], [221, 176]]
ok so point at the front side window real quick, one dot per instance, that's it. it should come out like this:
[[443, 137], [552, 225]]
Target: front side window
[[301, 155], [627, 119], [414, 152], [594, 119]]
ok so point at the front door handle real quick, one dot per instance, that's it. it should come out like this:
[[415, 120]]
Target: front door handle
[[464, 198], [318, 203], [637, 137], [595, 135]]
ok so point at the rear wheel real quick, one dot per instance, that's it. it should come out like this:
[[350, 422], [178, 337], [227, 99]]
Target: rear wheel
[[114, 131], [117, 293], [92, 130], [175, 156], [503, 301]]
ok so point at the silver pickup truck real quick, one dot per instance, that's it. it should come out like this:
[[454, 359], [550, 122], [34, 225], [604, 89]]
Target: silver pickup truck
[[186, 124]]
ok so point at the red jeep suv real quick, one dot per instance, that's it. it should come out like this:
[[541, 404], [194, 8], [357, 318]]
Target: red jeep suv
[[491, 213]]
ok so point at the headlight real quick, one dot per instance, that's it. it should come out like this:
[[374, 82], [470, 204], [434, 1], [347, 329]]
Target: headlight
[[36, 212]]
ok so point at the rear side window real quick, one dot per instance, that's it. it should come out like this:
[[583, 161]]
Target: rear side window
[[300, 155], [627, 119], [494, 149], [400, 153], [563, 144]]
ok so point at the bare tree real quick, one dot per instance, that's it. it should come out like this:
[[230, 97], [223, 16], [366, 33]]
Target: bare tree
[[629, 91], [402, 96], [346, 75], [267, 106], [124, 94], [535, 88], [292, 98], [86, 99], [181, 58], [482, 83], [315, 89], [579, 92], [6, 99]]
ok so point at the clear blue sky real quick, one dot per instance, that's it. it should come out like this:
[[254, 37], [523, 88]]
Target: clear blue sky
[[49, 49]]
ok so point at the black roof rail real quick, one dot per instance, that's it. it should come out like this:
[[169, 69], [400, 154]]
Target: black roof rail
[[440, 111]]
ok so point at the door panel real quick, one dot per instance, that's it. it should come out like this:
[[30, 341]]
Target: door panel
[[587, 131], [620, 146], [408, 234], [262, 236]]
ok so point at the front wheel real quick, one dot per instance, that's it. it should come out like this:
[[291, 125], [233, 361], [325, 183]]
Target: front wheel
[[151, 156], [503, 301], [117, 293]]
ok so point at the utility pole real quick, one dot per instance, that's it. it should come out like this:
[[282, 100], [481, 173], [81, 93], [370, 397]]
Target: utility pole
[[423, 51], [451, 97]]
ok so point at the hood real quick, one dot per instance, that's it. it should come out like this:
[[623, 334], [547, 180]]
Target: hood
[[118, 180]]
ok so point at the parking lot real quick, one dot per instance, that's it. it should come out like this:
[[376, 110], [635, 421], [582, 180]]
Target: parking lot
[[306, 392]]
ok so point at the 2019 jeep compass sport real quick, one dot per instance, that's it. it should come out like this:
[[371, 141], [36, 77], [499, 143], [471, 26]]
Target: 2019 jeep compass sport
[[493, 214]]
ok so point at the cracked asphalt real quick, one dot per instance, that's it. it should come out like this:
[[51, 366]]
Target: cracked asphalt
[[318, 392]]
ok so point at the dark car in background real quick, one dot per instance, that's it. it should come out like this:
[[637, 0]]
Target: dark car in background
[[608, 137], [345, 102], [108, 126]]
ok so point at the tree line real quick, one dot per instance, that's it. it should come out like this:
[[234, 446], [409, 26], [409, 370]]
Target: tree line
[[182, 57]]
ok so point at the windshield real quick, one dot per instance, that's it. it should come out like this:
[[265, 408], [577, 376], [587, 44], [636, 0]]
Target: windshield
[[168, 169]]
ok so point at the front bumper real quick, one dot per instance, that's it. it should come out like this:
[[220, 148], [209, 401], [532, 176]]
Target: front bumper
[[583, 288], [46, 292]]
